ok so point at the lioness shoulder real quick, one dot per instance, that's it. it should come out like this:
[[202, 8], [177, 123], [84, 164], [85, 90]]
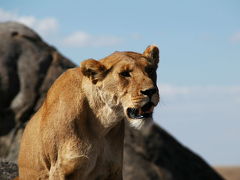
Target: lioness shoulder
[[78, 132]]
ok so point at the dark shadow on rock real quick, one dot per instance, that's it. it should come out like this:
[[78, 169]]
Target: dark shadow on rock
[[154, 154], [7, 121]]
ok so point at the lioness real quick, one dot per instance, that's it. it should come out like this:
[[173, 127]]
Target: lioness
[[78, 131]]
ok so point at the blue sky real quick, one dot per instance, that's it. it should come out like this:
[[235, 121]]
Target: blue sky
[[200, 57]]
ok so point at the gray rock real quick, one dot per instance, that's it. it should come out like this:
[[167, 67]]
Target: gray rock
[[28, 67], [8, 170]]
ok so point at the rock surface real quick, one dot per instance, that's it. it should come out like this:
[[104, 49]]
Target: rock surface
[[28, 67], [8, 170]]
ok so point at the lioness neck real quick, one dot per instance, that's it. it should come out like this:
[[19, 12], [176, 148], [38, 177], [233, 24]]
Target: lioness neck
[[100, 102]]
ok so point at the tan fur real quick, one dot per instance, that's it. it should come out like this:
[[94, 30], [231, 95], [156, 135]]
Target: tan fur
[[78, 132]]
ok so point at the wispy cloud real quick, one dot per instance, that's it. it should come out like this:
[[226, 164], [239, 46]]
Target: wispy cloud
[[235, 38], [173, 90], [172, 93], [84, 39], [44, 27]]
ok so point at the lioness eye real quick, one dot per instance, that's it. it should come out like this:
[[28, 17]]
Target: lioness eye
[[125, 74]]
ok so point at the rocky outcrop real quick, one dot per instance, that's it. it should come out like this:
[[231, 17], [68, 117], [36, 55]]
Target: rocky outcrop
[[28, 67]]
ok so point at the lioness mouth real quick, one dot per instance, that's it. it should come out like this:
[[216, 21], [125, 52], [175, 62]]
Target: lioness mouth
[[141, 113]]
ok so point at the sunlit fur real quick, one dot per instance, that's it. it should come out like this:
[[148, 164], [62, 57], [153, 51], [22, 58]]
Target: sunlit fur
[[137, 123], [78, 132]]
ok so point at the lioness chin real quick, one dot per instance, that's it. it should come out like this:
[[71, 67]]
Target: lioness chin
[[78, 132]]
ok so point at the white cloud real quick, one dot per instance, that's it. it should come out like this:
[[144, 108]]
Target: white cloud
[[172, 90], [44, 26], [199, 97], [83, 39], [6, 15], [47, 25], [235, 37]]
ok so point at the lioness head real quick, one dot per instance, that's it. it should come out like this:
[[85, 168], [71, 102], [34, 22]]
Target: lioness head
[[126, 82]]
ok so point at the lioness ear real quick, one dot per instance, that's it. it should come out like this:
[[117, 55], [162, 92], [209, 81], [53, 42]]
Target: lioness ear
[[152, 52], [93, 69]]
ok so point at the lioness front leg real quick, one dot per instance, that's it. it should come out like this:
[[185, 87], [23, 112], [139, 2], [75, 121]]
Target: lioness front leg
[[69, 168]]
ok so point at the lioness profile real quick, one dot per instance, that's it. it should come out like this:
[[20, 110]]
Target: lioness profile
[[78, 132]]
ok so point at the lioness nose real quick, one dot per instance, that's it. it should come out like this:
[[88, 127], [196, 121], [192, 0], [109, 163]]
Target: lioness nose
[[149, 92]]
